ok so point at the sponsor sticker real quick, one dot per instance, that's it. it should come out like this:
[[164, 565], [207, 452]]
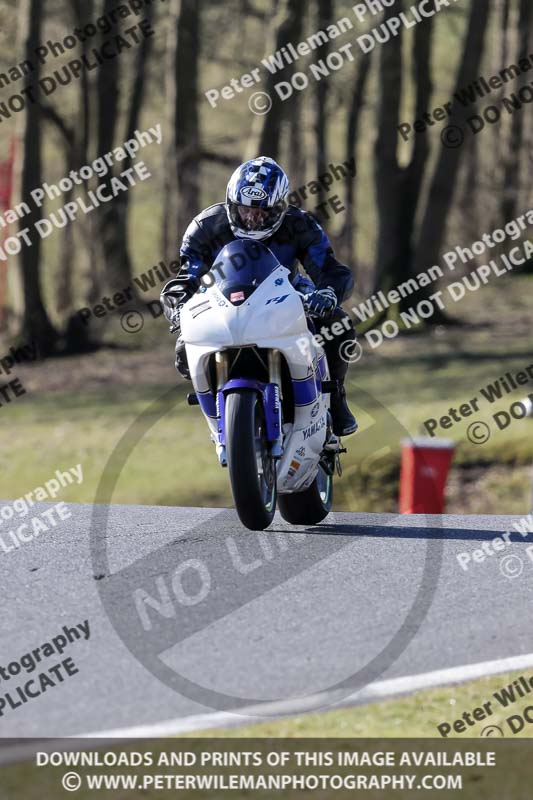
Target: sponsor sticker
[[254, 193], [237, 297], [314, 428]]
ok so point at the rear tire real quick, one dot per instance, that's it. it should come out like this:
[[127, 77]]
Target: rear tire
[[251, 469], [311, 506]]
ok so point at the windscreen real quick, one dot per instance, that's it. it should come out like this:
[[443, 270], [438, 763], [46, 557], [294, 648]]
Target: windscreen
[[241, 267]]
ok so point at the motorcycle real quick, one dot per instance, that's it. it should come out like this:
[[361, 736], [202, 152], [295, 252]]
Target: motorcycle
[[263, 386]]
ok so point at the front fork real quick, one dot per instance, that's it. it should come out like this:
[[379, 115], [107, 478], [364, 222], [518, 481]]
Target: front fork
[[274, 373], [271, 396], [222, 371]]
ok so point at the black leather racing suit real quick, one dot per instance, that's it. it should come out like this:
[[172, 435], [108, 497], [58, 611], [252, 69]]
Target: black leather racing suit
[[299, 239]]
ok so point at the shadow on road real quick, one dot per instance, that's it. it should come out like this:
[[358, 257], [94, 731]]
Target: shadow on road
[[411, 533]]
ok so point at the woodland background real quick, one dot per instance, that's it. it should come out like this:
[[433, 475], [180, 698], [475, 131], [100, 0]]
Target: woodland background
[[410, 203]]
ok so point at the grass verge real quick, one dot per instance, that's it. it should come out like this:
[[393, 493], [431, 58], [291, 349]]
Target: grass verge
[[415, 716]]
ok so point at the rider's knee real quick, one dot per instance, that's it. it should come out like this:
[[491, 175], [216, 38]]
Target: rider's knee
[[340, 317], [182, 364]]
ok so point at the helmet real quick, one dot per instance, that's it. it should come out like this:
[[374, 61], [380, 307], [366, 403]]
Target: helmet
[[256, 199]]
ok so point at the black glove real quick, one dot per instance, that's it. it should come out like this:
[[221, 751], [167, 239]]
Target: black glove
[[320, 303], [174, 295]]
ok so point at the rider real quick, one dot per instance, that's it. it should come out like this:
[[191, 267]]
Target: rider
[[257, 208]]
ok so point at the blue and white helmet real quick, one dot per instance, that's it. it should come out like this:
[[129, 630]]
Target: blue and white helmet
[[256, 199]]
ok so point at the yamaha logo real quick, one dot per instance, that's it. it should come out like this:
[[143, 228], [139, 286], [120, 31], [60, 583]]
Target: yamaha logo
[[254, 193]]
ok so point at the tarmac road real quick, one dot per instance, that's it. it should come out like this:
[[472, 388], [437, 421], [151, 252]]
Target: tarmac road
[[190, 613]]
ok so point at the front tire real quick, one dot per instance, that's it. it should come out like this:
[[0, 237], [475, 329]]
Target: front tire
[[311, 506], [252, 470]]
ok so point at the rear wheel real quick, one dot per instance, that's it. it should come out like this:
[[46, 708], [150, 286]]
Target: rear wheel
[[311, 506], [252, 470]]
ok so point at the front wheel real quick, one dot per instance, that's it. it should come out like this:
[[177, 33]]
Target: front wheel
[[311, 506], [252, 470]]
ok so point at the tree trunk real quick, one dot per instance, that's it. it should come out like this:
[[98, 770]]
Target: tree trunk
[[513, 162], [286, 29], [347, 236], [115, 262], [36, 325], [325, 18], [399, 189], [444, 180], [84, 12], [119, 209], [494, 172], [170, 228], [297, 161], [388, 174], [415, 172], [187, 113], [470, 203], [181, 191], [64, 297]]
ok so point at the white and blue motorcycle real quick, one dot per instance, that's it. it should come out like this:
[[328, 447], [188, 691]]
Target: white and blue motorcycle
[[263, 386]]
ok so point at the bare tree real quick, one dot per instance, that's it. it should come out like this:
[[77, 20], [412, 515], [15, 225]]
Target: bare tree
[[170, 225], [515, 156], [347, 235], [297, 155], [286, 28], [401, 253], [325, 16], [398, 188], [181, 181], [37, 326], [442, 187], [187, 114], [114, 261], [74, 140], [117, 223]]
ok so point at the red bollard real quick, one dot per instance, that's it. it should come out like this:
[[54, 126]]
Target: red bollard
[[425, 466]]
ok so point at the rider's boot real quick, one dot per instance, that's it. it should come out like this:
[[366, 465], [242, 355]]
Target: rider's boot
[[344, 422]]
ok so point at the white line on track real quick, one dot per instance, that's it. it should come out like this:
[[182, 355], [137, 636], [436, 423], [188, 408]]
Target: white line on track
[[325, 701]]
